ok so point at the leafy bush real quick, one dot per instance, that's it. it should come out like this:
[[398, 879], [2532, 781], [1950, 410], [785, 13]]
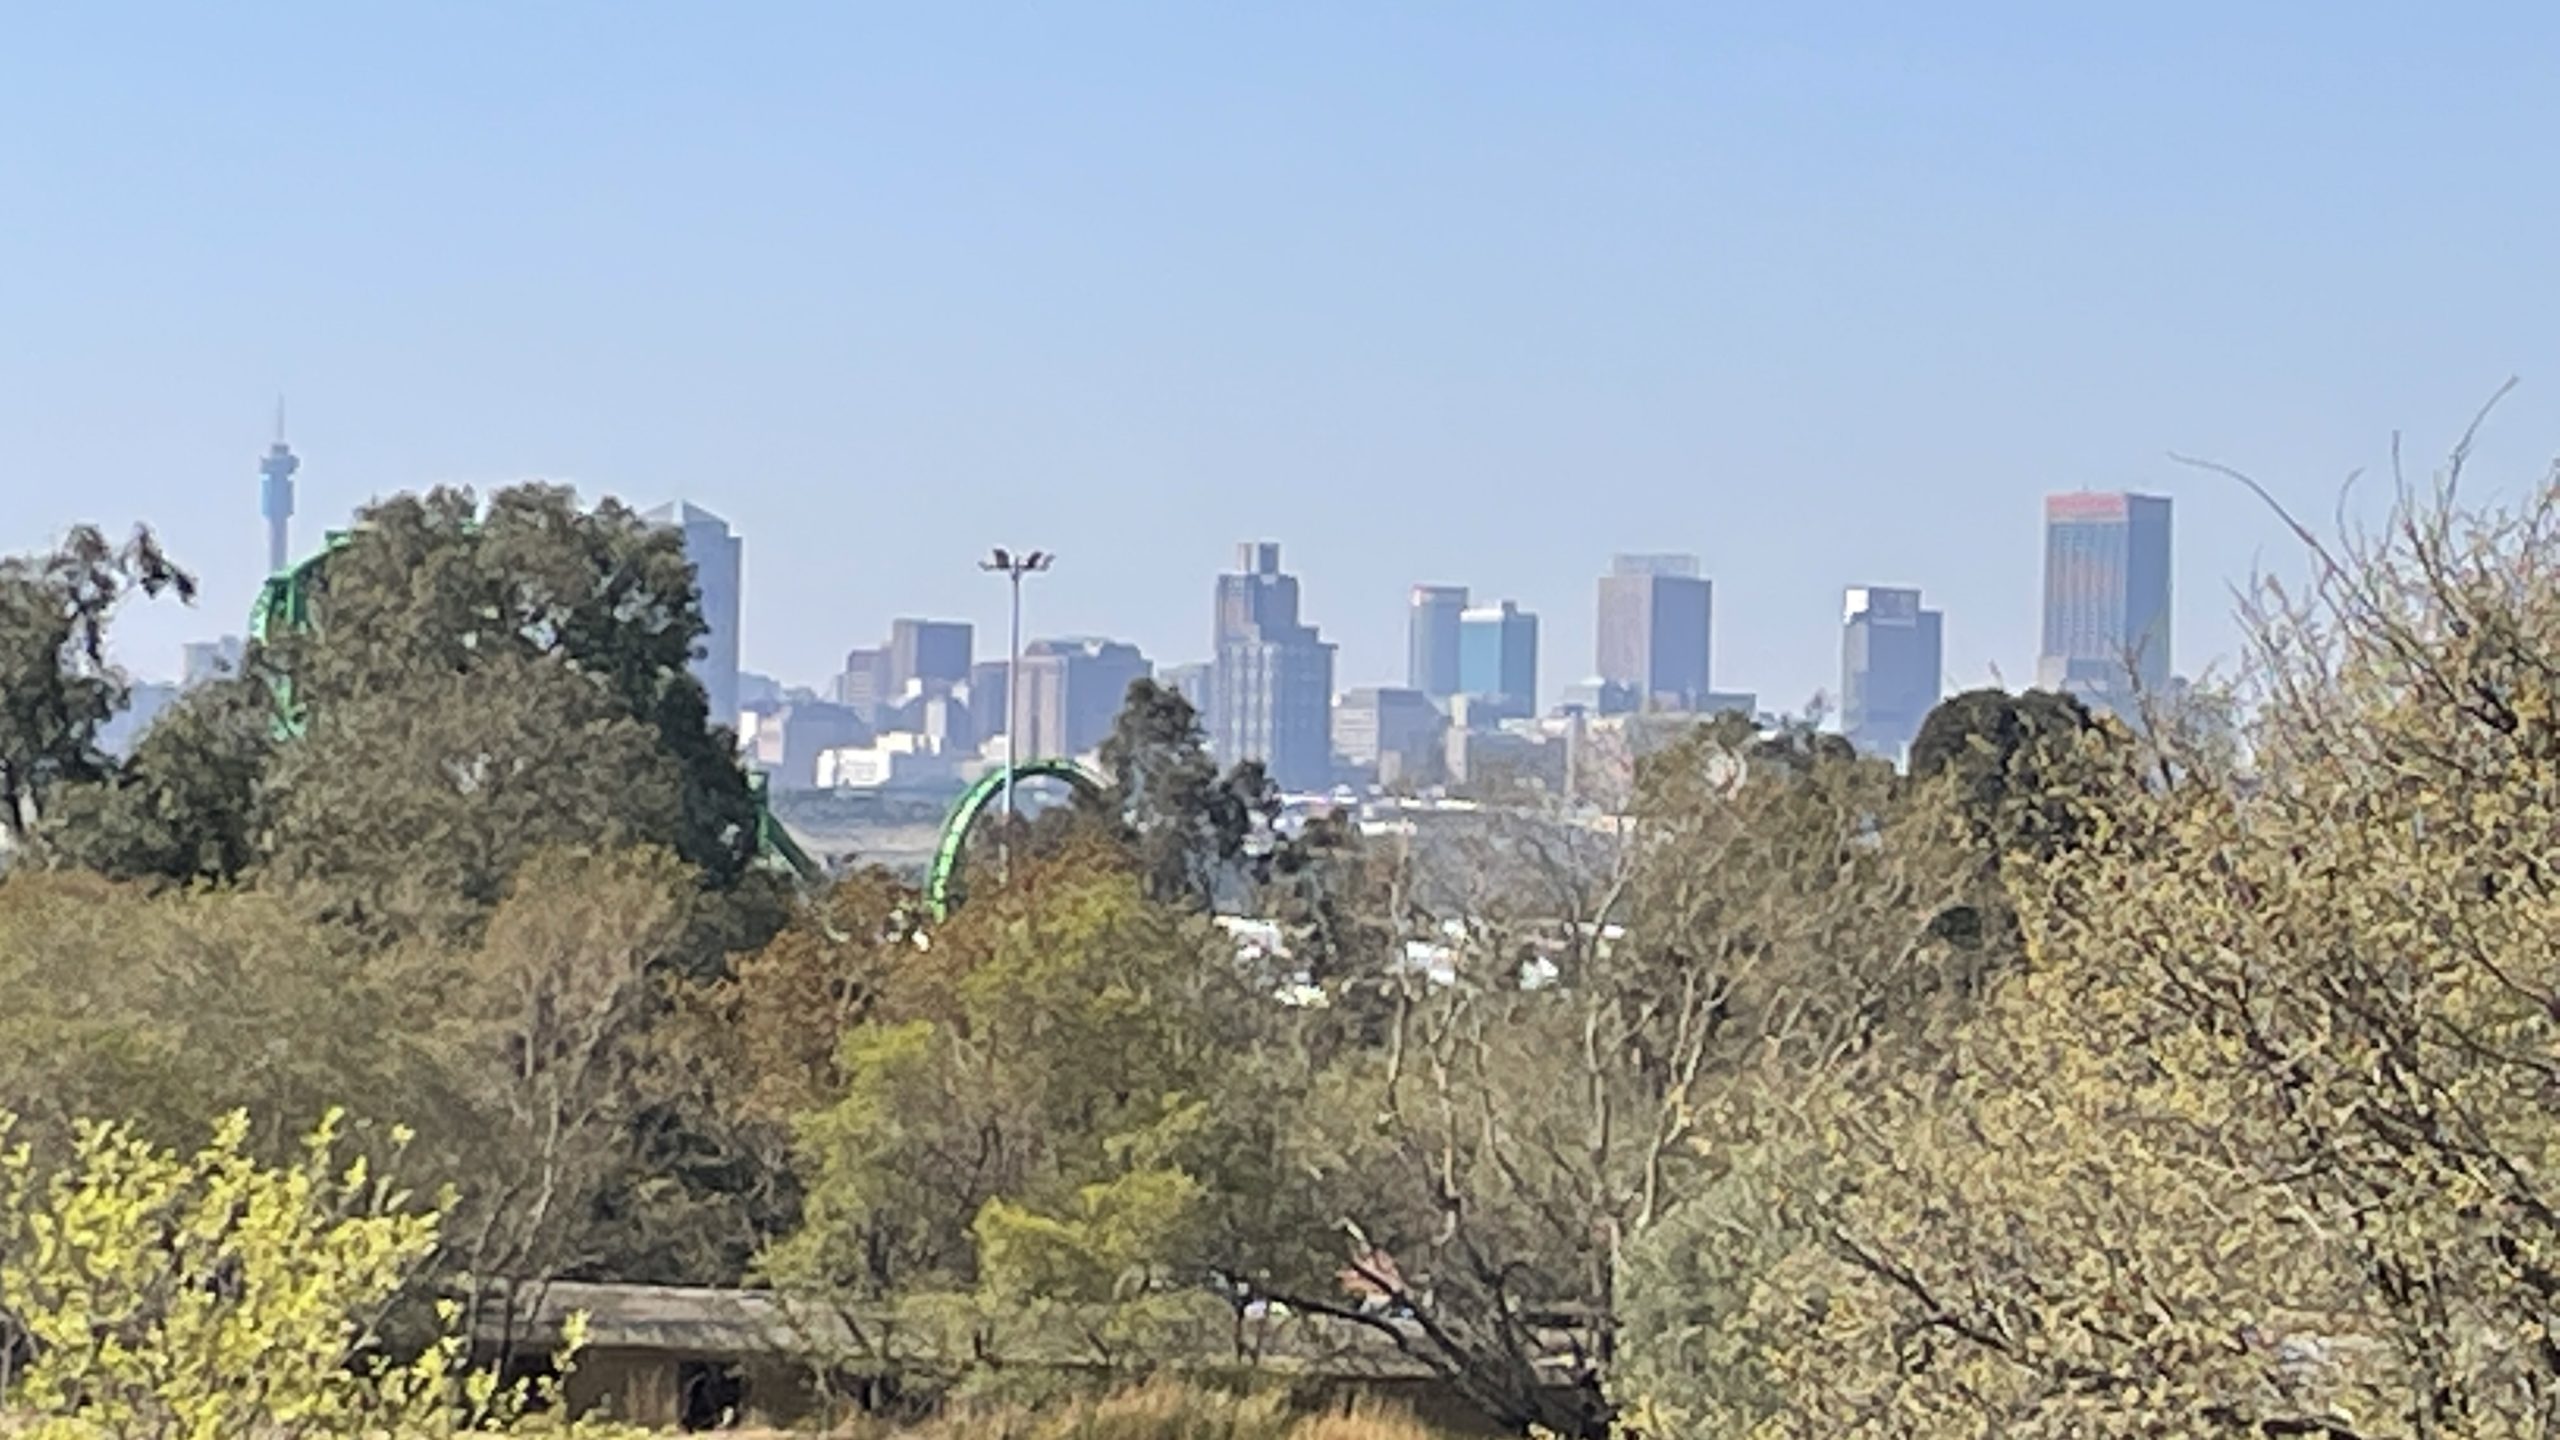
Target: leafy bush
[[150, 1293]]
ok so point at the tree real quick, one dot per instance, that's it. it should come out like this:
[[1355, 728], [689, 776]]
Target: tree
[[407, 811], [1058, 1108], [204, 1294], [542, 1040], [431, 587], [2005, 752], [56, 687], [188, 806], [2019, 765], [2258, 1143], [164, 1007], [1624, 1002], [743, 1055], [1198, 835]]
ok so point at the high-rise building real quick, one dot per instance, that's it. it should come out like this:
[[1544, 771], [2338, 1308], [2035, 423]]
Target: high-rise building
[[1271, 688], [275, 497], [1072, 691], [1431, 639], [2106, 596], [863, 685], [1498, 656], [1891, 658], [928, 655], [719, 563], [989, 692], [1656, 615]]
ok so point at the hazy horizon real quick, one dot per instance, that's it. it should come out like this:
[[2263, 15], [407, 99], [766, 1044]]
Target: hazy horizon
[[1471, 295]]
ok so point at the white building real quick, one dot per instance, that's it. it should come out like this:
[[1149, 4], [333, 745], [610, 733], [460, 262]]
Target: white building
[[897, 760]]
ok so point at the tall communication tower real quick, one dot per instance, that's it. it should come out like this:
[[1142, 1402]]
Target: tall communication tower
[[275, 496]]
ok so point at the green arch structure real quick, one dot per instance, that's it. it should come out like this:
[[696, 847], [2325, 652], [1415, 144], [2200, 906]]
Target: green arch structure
[[941, 892], [283, 607]]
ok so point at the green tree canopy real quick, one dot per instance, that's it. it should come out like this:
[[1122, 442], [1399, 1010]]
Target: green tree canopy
[[56, 687], [433, 586]]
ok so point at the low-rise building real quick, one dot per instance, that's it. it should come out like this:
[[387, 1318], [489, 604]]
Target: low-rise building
[[784, 741], [897, 760], [1390, 730]]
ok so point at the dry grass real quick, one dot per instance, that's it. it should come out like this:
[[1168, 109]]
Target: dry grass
[[1162, 1410]]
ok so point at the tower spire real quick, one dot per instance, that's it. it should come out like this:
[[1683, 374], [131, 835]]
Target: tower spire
[[275, 495]]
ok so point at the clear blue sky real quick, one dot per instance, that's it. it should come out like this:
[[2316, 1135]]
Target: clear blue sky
[[1472, 293]]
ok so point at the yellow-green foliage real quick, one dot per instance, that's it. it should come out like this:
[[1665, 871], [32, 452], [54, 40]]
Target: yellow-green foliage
[[1026, 1114], [205, 1296], [2264, 1140]]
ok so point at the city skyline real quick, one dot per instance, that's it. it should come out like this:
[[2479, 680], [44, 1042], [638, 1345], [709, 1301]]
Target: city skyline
[[1816, 301], [2118, 543]]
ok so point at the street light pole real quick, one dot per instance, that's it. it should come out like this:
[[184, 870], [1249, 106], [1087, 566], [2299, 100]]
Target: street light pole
[[1013, 567]]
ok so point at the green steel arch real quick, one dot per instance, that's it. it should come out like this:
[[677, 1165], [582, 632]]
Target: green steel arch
[[939, 892], [283, 607]]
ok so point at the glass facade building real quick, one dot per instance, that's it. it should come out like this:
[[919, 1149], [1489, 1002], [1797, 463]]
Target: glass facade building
[[1498, 656], [2106, 596]]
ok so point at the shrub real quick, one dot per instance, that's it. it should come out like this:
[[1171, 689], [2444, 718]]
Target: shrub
[[151, 1293]]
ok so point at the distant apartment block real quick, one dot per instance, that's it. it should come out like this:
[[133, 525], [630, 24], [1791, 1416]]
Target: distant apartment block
[[890, 762], [928, 655], [1516, 755], [1433, 617], [784, 742], [990, 691], [1072, 692], [1271, 688], [1891, 658], [1655, 623], [1498, 656], [2106, 596], [1596, 698], [863, 685], [1392, 731], [719, 563], [203, 661]]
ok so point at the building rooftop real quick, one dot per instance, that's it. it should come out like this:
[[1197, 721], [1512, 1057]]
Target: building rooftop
[[683, 513]]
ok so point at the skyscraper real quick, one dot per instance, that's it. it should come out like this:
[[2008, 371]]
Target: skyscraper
[[1072, 691], [2106, 596], [863, 685], [1656, 614], [1891, 657], [1271, 685], [1431, 639], [719, 563], [275, 497], [1498, 656], [990, 691], [933, 654]]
